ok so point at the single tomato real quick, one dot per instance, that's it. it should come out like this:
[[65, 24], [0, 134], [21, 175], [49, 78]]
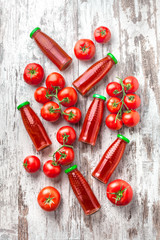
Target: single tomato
[[41, 94], [132, 101], [66, 135], [65, 156], [72, 114], [114, 104], [119, 192], [50, 112], [51, 169], [68, 96], [114, 89], [130, 118], [131, 84], [102, 34], [33, 74], [55, 80], [113, 123], [84, 49], [49, 198], [31, 164]]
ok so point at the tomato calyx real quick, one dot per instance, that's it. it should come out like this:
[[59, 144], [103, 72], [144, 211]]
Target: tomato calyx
[[128, 86], [84, 48], [118, 194], [119, 114], [53, 110], [70, 115], [32, 71], [116, 92], [63, 154], [131, 98], [25, 165], [49, 201], [102, 32], [66, 99]]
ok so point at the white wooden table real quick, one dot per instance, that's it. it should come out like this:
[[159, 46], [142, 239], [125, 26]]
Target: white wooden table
[[135, 28]]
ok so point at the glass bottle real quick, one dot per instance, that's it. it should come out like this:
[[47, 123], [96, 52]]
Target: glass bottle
[[34, 127], [93, 120], [82, 190], [110, 159], [94, 74], [51, 49]]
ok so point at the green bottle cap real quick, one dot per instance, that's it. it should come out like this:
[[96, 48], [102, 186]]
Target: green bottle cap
[[70, 169], [123, 138], [99, 96], [33, 31], [113, 57], [23, 104]]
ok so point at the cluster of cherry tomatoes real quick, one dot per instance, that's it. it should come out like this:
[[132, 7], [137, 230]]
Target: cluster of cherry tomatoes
[[123, 109], [85, 49], [55, 87], [66, 136]]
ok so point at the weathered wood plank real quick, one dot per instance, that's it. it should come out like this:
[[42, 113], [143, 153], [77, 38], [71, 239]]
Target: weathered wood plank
[[135, 28]]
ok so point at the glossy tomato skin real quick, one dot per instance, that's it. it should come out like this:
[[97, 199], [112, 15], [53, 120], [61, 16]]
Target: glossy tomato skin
[[114, 187], [31, 164], [102, 34], [47, 112], [131, 84], [84, 49], [66, 131], [65, 156], [55, 80], [74, 114], [69, 95], [114, 104], [110, 122], [49, 198], [130, 118], [114, 89], [132, 101], [51, 169], [40, 95], [33, 74]]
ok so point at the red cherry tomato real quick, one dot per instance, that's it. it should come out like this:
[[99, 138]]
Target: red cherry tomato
[[31, 164], [68, 96], [130, 118], [112, 123], [66, 134], [102, 34], [119, 192], [65, 156], [114, 104], [132, 101], [49, 199], [72, 114], [51, 169], [33, 74], [131, 84], [55, 80], [84, 49], [49, 112], [40, 95], [113, 89]]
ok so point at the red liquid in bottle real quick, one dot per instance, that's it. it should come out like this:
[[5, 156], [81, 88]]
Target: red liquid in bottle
[[82, 190], [94, 74], [34, 127], [51, 49], [93, 120], [110, 159]]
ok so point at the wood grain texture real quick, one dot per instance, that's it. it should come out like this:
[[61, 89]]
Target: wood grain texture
[[135, 28]]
